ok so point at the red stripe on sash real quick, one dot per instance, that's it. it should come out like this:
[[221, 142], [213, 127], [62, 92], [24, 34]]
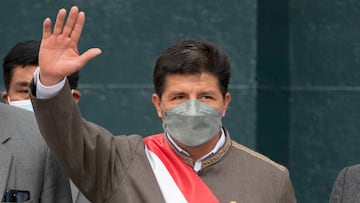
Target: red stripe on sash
[[190, 184]]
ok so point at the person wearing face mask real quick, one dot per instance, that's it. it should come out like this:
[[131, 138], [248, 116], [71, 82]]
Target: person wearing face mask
[[193, 160], [18, 69], [19, 65], [28, 170]]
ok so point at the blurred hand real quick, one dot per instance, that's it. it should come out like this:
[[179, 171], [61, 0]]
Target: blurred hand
[[59, 55]]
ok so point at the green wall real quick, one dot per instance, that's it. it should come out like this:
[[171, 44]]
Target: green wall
[[324, 102], [295, 71], [272, 76], [116, 87]]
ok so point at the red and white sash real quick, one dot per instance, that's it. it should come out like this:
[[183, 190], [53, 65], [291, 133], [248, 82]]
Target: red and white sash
[[177, 180]]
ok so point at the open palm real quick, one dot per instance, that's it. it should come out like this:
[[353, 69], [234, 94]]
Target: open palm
[[59, 55]]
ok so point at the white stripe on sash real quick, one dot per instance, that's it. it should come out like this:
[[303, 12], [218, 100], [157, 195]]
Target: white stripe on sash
[[168, 187]]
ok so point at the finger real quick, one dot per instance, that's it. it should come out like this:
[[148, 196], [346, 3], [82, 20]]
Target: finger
[[46, 28], [59, 24], [71, 20], [88, 55], [76, 33]]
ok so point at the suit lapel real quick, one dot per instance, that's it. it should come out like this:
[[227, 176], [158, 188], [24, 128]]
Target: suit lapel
[[6, 161]]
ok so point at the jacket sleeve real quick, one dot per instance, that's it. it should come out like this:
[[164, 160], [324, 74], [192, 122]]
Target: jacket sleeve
[[94, 159]]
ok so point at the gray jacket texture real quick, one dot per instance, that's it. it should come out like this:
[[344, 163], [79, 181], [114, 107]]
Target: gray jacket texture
[[346, 188], [111, 169], [26, 162]]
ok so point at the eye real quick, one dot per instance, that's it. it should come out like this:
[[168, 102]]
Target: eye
[[24, 91], [206, 97], [178, 97]]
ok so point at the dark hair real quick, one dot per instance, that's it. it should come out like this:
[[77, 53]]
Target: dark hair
[[24, 53], [73, 80], [192, 57]]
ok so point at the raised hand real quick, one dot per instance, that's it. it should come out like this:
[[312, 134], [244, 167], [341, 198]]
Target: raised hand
[[59, 55]]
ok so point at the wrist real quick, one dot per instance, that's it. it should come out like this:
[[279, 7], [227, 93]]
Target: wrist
[[48, 80]]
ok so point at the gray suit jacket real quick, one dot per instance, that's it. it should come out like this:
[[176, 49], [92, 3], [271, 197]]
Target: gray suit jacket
[[26, 163], [347, 186]]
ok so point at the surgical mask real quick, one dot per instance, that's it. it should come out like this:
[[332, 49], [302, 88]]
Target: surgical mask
[[24, 104], [192, 123]]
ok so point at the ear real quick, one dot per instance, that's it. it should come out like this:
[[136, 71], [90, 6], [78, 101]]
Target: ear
[[157, 103], [4, 96], [227, 101], [76, 94]]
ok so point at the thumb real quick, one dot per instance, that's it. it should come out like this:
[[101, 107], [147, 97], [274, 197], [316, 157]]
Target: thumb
[[89, 54]]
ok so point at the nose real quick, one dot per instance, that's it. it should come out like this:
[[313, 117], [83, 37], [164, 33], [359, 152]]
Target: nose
[[193, 106]]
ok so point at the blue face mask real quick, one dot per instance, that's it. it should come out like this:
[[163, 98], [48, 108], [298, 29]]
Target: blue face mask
[[24, 104], [192, 123]]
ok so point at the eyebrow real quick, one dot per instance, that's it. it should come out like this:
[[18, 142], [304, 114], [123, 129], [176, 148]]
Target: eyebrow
[[22, 84], [173, 93], [206, 92]]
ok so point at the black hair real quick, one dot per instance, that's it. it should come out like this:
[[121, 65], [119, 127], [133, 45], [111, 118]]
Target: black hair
[[22, 54], [192, 57], [73, 80]]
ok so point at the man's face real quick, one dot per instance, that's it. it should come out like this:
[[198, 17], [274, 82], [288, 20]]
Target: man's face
[[19, 84], [180, 88]]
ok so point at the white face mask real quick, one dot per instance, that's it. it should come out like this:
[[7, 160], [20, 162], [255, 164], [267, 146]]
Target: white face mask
[[192, 123], [24, 104]]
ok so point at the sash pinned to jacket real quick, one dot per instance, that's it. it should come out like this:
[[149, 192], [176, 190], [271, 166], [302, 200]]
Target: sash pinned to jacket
[[191, 186]]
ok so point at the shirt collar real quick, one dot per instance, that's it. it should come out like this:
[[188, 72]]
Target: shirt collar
[[217, 147]]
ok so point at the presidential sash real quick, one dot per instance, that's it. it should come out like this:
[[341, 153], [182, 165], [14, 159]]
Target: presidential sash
[[177, 180]]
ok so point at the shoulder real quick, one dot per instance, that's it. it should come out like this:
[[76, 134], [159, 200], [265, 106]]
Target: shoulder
[[17, 120], [257, 158], [20, 132], [347, 185], [351, 173], [16, 115], [354, 169], [262, 173]]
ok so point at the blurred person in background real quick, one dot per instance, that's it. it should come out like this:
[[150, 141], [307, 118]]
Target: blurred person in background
[[18, 69]]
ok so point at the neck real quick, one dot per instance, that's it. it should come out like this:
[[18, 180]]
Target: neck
[[198, 152]]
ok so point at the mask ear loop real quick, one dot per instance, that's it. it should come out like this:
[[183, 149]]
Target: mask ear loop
[[8, 98]]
